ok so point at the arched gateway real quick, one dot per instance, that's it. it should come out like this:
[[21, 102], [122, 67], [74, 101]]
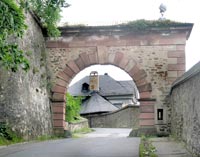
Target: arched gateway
[[154, 57]]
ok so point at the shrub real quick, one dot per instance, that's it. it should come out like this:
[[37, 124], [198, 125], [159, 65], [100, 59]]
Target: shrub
[[7, 136], [73, 106]]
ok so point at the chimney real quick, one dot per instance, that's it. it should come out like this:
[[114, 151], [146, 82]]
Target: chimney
[[94, 81]]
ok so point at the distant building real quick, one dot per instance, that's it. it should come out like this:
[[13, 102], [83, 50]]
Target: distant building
[[111, 96]]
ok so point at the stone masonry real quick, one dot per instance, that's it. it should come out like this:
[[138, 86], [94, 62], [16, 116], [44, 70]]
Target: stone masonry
[[24, 100], [126, 117], [154, 58], [185, 109]]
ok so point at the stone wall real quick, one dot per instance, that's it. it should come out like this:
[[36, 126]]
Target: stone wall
[[78, 125], [185, 109], [127, 117], [24, 100]]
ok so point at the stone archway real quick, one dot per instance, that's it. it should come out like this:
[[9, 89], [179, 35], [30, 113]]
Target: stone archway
[[84, 60], [154, 58]]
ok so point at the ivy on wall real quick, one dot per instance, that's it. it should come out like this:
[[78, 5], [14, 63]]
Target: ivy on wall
[[12, 26], [12, 23]]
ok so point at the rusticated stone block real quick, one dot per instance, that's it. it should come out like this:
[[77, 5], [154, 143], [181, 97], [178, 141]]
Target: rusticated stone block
[[59, 123], [93, 58], [118, 58], [69, 71], [180, 47], [60, 116], [58, 97], [141, 81], [143, 103], [178, 67], [102, 54], [145, 88], [176, 54], [133, 71], [123, 63], [73, 66], [58, 109], [145, 95], [172, 74], [146, 116], [131, 63], [59, 89], [80, 63], [85, 59], [141, 74], [111, 57], [181, 60], [147, 122], [61, 82], [172, 60], [147, 109], [64, 76]]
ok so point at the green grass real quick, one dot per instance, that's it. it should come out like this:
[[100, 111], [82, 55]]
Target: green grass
[[4, 141], [83, 130], [47, 137], [146, 149], [80, 133]]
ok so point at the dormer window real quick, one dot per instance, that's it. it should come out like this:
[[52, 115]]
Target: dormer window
[[85, 88]]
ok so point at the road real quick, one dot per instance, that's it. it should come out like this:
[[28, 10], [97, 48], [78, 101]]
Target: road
[[102, 143]]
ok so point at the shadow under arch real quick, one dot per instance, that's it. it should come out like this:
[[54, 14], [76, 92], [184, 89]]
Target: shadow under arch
[[85, 60]]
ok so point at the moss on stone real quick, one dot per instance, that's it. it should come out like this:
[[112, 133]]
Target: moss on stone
[[146, 24]]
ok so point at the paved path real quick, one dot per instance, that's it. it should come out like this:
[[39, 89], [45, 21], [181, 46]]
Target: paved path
[[109, 132], [167, 147], [101, 145]]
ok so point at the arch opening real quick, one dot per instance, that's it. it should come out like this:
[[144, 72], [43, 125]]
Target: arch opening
[[136, 74]]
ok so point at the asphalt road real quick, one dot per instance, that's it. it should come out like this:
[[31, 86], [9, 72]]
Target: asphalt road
[[112, 143]]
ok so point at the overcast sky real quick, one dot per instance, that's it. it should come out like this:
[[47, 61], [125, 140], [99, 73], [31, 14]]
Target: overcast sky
[[103, 12]]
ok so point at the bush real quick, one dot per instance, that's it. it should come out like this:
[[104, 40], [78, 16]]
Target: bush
[[73, 106], [7, 136]]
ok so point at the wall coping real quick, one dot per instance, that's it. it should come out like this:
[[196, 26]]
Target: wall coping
[[186, 76], [79, 30], [123, 108]]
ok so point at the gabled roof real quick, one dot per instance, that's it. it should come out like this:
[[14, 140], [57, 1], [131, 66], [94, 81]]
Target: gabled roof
[[96, 104], [107, 87]]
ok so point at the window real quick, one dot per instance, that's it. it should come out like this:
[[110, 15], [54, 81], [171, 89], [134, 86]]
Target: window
[[85, 88], [160, 114]]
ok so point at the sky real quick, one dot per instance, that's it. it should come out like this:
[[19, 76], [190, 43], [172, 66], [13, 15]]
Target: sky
[[109, 12]]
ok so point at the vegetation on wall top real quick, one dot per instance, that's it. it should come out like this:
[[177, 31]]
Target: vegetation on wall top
[[47, 11], [145, 24]]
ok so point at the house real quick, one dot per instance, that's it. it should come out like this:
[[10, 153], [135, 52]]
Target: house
[[113, 93]]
